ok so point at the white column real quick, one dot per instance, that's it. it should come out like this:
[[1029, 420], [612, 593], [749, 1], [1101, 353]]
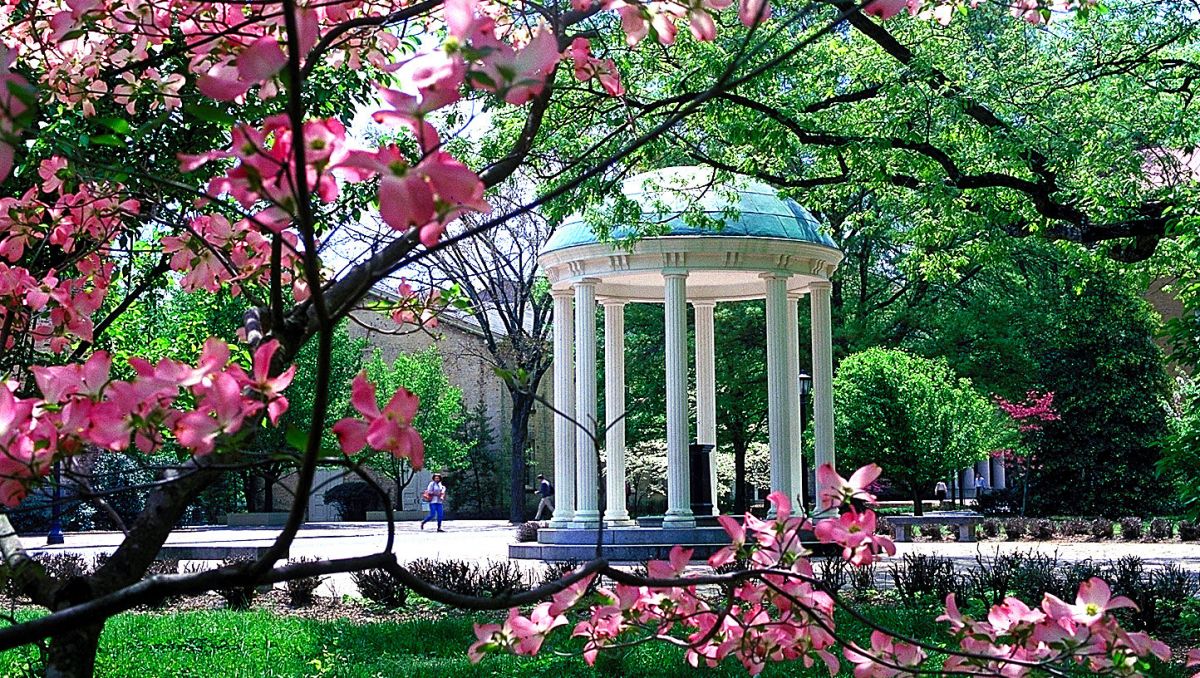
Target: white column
[[615, 514], [706, 390], [679, 501], [564, 402], [822, 357], [779, 427], [983, 469], [999, 474], [587, 474], [795, 479]]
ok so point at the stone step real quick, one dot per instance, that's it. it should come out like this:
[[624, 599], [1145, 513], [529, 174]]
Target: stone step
[[635, 535]]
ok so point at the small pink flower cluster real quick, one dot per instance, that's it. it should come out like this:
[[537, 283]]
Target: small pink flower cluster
[[82, 405], [1016, 638], [389, 429], [215, 254]]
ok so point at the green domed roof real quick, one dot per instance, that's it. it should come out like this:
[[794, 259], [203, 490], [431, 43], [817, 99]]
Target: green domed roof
[[684, 201]]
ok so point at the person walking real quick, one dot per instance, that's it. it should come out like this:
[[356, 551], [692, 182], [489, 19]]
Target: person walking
[[981, 487], [546, 492], [435, 494], [939, 490]]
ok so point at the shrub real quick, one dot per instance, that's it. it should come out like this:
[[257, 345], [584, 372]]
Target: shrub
[[456, 576], [238, 597], [1102, 528], [990, 528], [884, 527], [991, 580], [1014, 528], [527, 531], [1189, 531], [353, 499], [501, 577], [63, 566], [1081, 571], [165, 566], [1043, 530], [924, 575], [832, 573], [300, 591], [1039, 573], [934, 532], [1161, 528], [1076, 527], [1131, 529], [1127, 575], [381, 588], [862, 579]]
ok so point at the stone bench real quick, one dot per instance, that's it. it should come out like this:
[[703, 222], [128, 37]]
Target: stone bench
[[966, 521]]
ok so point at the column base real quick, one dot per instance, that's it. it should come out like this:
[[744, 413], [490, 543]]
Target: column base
[[561, 522], [679, 518], [619, 521], [585, 520]]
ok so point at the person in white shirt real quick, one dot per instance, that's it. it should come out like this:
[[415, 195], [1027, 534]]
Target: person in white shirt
[[435, 494]]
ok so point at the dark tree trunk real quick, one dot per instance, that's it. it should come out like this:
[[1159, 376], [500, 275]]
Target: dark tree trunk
[[73, 654], [918, 505], [269, 491], [739, 474], [249, 491], [519, 430]]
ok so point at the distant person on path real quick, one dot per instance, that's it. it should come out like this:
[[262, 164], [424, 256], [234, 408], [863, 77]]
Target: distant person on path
[[546, 492], [981, 486], [939, 490], [435, 494]]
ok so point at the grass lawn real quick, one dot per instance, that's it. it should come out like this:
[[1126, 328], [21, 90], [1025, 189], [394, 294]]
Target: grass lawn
[[261, 643]]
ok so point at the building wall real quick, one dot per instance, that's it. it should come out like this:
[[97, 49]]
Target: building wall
[[468, 366]]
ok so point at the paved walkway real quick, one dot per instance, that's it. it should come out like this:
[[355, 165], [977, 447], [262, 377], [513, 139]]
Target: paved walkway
[[482, 540]]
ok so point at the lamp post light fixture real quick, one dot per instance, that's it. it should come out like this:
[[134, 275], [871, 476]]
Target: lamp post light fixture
[[805, 384]]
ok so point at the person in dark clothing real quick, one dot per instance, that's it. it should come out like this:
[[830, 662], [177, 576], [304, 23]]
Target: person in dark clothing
[[546, 491]]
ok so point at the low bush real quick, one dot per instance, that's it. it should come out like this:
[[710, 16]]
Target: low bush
[[238, 597], [527, 531], [381, 588], [991, 580], [1037, 573], [1189, 531], [1076, 527], [1102, 528], [862, 579], [990, 528], [1014, 528], [301, 591], [1131, 529], [934, 532], [884, 527], [63, 566], [833, 573], [1043, 530], [165, 566], [452, 575], [500, 577], [920, 575], [1161, 528]]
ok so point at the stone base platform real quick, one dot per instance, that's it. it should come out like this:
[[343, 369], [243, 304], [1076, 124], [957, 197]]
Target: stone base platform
[[625, 544]]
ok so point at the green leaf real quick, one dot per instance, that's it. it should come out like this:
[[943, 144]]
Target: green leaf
[[296, 437], [209, 113], [107, 140], [118, 125]]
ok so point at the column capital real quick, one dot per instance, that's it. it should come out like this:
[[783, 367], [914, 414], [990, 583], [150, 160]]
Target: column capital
[[614, 303], [674, 273], [796, 295], [587, 282], [774, 275], [563, 293], [820, 285], [703, 303]]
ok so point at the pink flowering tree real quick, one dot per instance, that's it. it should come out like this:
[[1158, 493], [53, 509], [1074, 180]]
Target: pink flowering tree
[[1030, 416], [249, 204]]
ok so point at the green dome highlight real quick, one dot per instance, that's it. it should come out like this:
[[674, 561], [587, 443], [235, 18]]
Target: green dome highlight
[[669, 198]]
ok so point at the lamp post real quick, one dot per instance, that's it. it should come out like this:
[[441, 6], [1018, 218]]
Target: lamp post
[[55, 535], [805, 382]]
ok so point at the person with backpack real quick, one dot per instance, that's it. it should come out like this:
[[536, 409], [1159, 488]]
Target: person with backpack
[[546, 492]]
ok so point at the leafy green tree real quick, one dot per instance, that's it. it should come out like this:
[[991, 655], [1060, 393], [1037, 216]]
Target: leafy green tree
[[474, 481], [439, 417], [913, 417]]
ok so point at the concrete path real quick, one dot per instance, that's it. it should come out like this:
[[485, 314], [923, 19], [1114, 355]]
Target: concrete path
[[482, 540]]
